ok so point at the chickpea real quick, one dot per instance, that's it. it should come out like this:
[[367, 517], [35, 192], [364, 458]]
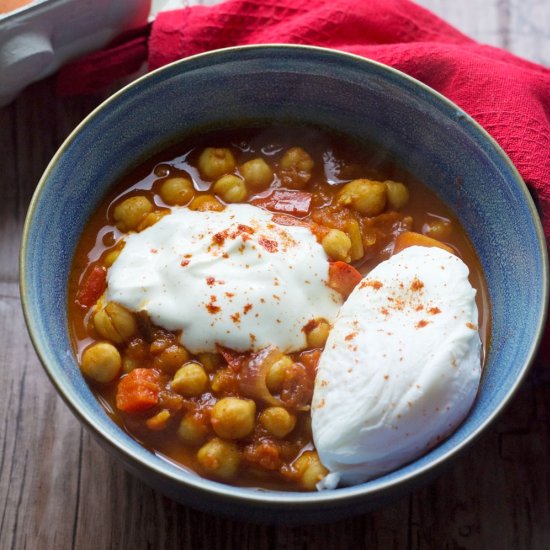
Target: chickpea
[[210, 361], [101, 362], [115, 323], [177, 191], [277, 421], [123, 321], [353, 231], [220, 458], [129, 213], [190, 380], [233, 418], [398, 194], [309, 469], [296, 167], [230, 188], [317, 337], [218, 380], [171, 358], [204, 203], [225, 379], [337, 245], [112, 255], [151, 219], [104, 326], [257, 173], [366, 196], [296, 158], [438, 229], [129, 363], [277, 373], [191, 430], [160, 343], [215, 162], [137, 349], [159, 421]]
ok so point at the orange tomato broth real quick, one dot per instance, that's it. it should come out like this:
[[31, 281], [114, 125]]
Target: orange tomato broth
[[338, 160]]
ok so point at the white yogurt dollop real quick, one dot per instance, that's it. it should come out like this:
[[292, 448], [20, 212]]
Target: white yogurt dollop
[[400, 369], [233, 278]]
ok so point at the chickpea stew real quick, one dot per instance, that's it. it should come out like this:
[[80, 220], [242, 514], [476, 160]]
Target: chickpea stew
[[231, 414]]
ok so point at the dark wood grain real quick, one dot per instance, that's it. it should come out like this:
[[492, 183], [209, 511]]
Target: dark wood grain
[[59, 489]]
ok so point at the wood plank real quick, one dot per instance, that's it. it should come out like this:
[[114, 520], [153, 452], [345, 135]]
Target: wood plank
[[479, 19], [529, 29], [36, 471], [520, 26]]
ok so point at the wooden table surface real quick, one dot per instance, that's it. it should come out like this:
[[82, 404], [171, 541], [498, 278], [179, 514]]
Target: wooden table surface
[[59, 489]]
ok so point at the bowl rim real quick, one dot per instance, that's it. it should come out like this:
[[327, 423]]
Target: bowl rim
[[282, 499]]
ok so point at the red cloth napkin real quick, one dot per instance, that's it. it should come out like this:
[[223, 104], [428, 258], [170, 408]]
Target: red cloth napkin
[[508, 96]]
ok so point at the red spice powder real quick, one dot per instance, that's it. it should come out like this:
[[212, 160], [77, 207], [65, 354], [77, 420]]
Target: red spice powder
[[242, 230], [377, 285], [417, 284], [434, 311], [245, 229], [399, 304], [421, 324], [211, 307], [268, 244], [219, 238]]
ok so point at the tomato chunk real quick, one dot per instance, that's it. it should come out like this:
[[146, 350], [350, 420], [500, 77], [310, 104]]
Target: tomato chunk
[[92, 287], [310, 360], [234, 359], [343, 277], [296, 203], [139, 390]]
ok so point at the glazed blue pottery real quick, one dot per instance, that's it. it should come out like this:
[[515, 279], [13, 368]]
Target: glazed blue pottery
[[434, 140]]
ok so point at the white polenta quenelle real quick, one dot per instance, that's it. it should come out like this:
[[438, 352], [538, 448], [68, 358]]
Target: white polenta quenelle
[[233, 278], [400, 369]]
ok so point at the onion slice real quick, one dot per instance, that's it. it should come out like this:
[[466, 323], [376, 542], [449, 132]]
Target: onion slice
[[253, 373]]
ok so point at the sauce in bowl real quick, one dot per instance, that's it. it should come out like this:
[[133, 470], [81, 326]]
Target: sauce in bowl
[[204, 288]]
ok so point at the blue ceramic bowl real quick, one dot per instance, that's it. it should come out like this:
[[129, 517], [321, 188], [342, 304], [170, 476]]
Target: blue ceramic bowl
[[434, 139]]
